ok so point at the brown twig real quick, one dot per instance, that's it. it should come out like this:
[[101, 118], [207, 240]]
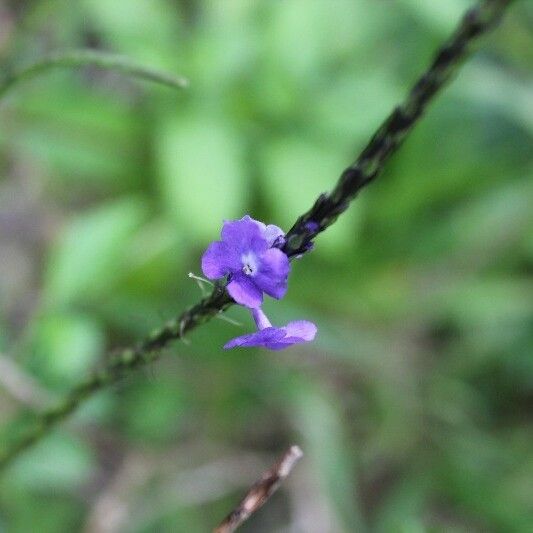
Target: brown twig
[[261, 491]]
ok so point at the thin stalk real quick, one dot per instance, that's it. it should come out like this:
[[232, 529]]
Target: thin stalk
[[389, 136], [95, 58], [261, 491], [476, 22]]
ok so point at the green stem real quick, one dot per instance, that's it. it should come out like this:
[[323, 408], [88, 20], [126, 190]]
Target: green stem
[[326, 209], [81, 58]]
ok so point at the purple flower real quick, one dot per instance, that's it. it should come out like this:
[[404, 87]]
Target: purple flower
[[246, 256], [274, 338]]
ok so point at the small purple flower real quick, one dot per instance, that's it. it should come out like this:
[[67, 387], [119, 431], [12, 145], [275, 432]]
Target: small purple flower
[[274, 338], [246, 256]]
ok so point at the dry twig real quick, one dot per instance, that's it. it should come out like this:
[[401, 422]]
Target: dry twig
[[261, 491]]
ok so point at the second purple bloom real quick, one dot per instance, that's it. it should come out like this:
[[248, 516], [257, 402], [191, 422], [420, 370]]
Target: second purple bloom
[[274, 338]]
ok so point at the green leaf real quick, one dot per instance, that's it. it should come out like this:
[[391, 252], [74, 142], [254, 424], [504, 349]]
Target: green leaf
[[155, 259], [150, 31], [439, 16], [65, 347], [327, 452], [85, 140], [152, 411], [353, 105], [88, 257], [201, 173], [304, 36], [59, 462], [487, 85]]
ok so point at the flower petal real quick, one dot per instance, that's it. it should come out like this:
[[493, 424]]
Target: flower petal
[[281, 345], [274, 268], [265, 338], [219, 260], [302, 329], [244, 291], [272, 233], [239, 234], [238, 341], [259, 245]]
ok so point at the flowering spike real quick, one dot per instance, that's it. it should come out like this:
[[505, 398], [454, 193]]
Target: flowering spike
[[249, 255]]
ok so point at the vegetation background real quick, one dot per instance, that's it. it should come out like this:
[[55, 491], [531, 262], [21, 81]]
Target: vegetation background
[[414, 405]]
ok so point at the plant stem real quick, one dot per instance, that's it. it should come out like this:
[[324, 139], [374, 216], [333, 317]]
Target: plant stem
[[324, 212], [81, 58], [261, 491], [118, 366], [384, 143]]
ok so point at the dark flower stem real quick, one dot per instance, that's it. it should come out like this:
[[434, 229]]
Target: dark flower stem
[[95, 58], [324, 212], [395, 128]]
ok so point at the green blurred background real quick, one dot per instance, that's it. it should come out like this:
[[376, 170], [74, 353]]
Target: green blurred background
[[414, 405]]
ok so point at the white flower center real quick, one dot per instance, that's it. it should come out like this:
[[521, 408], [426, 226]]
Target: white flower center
[[249, 263]]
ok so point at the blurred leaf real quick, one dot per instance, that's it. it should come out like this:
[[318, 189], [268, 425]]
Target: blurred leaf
[[471, 460], [65, 348], [352, 107], [326, 449], [53, 513], [86, 142], [224, 48], [154, 257], [202, 173], [493, 304], [402, 508], [479, 230], [485, 84], [153, 410], [58, 463], [440, 17], [89, 256], [150, 31], [306, 36]]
